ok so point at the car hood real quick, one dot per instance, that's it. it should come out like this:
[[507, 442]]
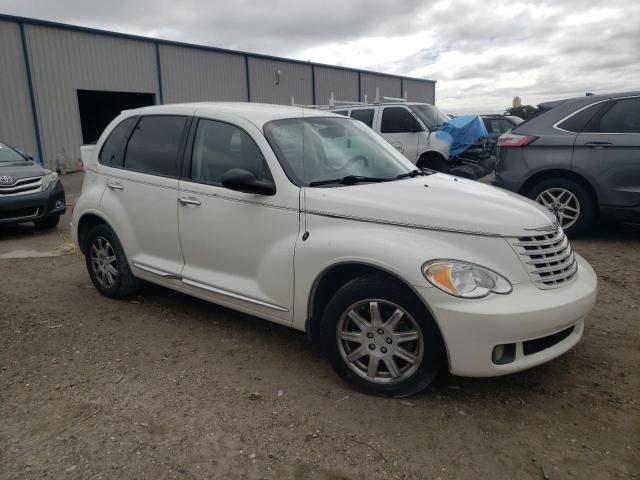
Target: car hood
[[436, 201], [18, 171]]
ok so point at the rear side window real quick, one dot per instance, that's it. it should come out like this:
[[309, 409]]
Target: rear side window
[[219, 147], [397, 120], [577, 122], [112, 152], [343, 112], [622, 117], [364, 115], [497, 125], [154, 144]]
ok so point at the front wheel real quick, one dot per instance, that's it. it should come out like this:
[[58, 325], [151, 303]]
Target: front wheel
[[378, 336], [107, 263], [570, 202]]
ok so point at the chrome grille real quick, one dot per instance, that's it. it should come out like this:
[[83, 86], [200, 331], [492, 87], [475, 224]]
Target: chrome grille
[[21, 186], [548, 258]]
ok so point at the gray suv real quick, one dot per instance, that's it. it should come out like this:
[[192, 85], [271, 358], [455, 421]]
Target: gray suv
[[578, 157]]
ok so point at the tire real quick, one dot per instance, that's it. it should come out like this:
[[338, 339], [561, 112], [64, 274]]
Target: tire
[[427, 350], [582, 200], [434, 162], [107, 263], [47, 223]]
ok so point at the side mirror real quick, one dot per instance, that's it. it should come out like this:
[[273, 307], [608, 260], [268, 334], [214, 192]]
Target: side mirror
[[243, 180]]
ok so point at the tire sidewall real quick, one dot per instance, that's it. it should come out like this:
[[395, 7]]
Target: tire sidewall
[[587, 205], [368, 287], [122, 264]]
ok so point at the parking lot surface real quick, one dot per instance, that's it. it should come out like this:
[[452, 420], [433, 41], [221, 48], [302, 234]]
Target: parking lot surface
[[162, 385]]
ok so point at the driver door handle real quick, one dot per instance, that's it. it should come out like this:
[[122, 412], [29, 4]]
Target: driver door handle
[[114, 186], [189, 201]]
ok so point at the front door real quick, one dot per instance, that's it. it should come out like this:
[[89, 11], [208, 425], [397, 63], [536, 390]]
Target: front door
[[401, 129], [608, 151], [237, 247]]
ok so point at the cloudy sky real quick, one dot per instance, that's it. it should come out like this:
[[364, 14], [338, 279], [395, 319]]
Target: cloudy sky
[[482, 53]]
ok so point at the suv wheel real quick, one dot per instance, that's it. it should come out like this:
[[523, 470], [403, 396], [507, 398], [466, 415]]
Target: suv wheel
[[569, 201], [47, 223], [380, 338], [107, 263]]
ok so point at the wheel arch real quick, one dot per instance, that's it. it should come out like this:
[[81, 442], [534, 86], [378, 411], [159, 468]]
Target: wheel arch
[[561, 173], [86, 222], [428, 154], [335, 276]]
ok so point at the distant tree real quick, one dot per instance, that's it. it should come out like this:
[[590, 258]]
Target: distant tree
[[523, 111]]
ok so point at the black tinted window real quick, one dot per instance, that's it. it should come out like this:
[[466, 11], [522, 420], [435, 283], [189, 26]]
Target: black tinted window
[[622, 117], [219, 147], [343, 112], [112, 152], [365, 116], [577, 122], [397, 120], [154, 144]]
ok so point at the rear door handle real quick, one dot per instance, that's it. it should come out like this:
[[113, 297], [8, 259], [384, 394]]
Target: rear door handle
[[114, 186], [189, 201], [598, 145]]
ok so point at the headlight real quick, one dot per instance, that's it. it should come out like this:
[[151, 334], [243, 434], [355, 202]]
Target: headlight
[[49, 179], [465, 280]]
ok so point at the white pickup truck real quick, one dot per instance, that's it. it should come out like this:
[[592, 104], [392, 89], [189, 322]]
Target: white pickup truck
[[409, 126]]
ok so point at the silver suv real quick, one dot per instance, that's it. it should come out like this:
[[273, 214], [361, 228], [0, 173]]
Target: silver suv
[[579, 158]]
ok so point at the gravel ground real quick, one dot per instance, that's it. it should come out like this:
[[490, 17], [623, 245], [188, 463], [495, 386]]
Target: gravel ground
[[167, 386]]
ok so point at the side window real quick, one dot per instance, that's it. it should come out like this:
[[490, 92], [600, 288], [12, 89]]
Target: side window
[[112, 153], [577, 122], [622, 117], [364, 115], [397, 120], [154, 144], [219, 147], [499, 125], [343, 112]]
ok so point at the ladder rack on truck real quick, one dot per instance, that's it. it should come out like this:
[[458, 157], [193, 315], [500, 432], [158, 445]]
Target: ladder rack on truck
[[336, 103]]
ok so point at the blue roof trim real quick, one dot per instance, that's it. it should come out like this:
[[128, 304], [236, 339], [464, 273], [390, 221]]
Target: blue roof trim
[[159, 41]]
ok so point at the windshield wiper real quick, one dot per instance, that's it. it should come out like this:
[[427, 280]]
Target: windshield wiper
[[348, 180], [413, 173]]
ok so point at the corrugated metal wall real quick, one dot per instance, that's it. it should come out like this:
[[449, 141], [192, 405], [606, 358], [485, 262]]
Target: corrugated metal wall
[[343, 83], [16, 120], [389, 86], [419, 91], [63, 61], [191, 75], [268, 86]]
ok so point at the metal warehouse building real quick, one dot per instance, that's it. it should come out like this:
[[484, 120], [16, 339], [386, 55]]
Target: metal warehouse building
[[60, 85]]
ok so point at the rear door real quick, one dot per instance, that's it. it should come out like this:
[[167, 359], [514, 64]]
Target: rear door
[[401, 129], [607, 151], [142, 192]]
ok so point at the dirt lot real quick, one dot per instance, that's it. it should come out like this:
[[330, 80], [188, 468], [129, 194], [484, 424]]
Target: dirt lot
[[167, 386]]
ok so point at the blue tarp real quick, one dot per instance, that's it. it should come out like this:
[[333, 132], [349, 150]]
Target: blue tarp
[[461, 132]]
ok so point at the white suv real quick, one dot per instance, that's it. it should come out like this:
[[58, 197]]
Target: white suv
[[311, 220], [409, 126]]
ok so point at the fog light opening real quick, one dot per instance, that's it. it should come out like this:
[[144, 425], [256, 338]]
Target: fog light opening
[[503, 354], [59, 204]]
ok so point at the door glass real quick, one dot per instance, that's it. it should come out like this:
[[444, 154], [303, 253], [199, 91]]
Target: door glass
[[364, 115], [219, 147], [498, 125], [342, 112], [397, 120], [577, 122], [154, 144], [622, 117], [112, 152]]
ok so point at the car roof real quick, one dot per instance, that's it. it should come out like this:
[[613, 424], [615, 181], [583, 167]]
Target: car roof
[[587, 99], [257, 113]]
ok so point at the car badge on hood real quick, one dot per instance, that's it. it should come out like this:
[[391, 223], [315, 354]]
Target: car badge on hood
[[6, 180]]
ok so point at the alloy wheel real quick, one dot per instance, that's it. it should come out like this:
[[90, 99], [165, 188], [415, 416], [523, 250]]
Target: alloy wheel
[[104, 262], [380, 341], [562, 203]]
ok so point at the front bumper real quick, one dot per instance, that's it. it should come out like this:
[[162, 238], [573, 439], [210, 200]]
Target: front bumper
[[33, 206], [472, 328]]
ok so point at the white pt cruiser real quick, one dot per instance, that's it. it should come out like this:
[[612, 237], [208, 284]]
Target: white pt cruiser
[[311, 220]]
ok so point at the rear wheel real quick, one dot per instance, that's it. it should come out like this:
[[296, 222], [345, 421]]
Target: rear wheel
[[107, 263], [570, 202], [380, 337], [433, 161]]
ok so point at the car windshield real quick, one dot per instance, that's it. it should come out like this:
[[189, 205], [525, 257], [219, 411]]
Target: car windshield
[[430, 116], [9, 155], [318, 151]]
